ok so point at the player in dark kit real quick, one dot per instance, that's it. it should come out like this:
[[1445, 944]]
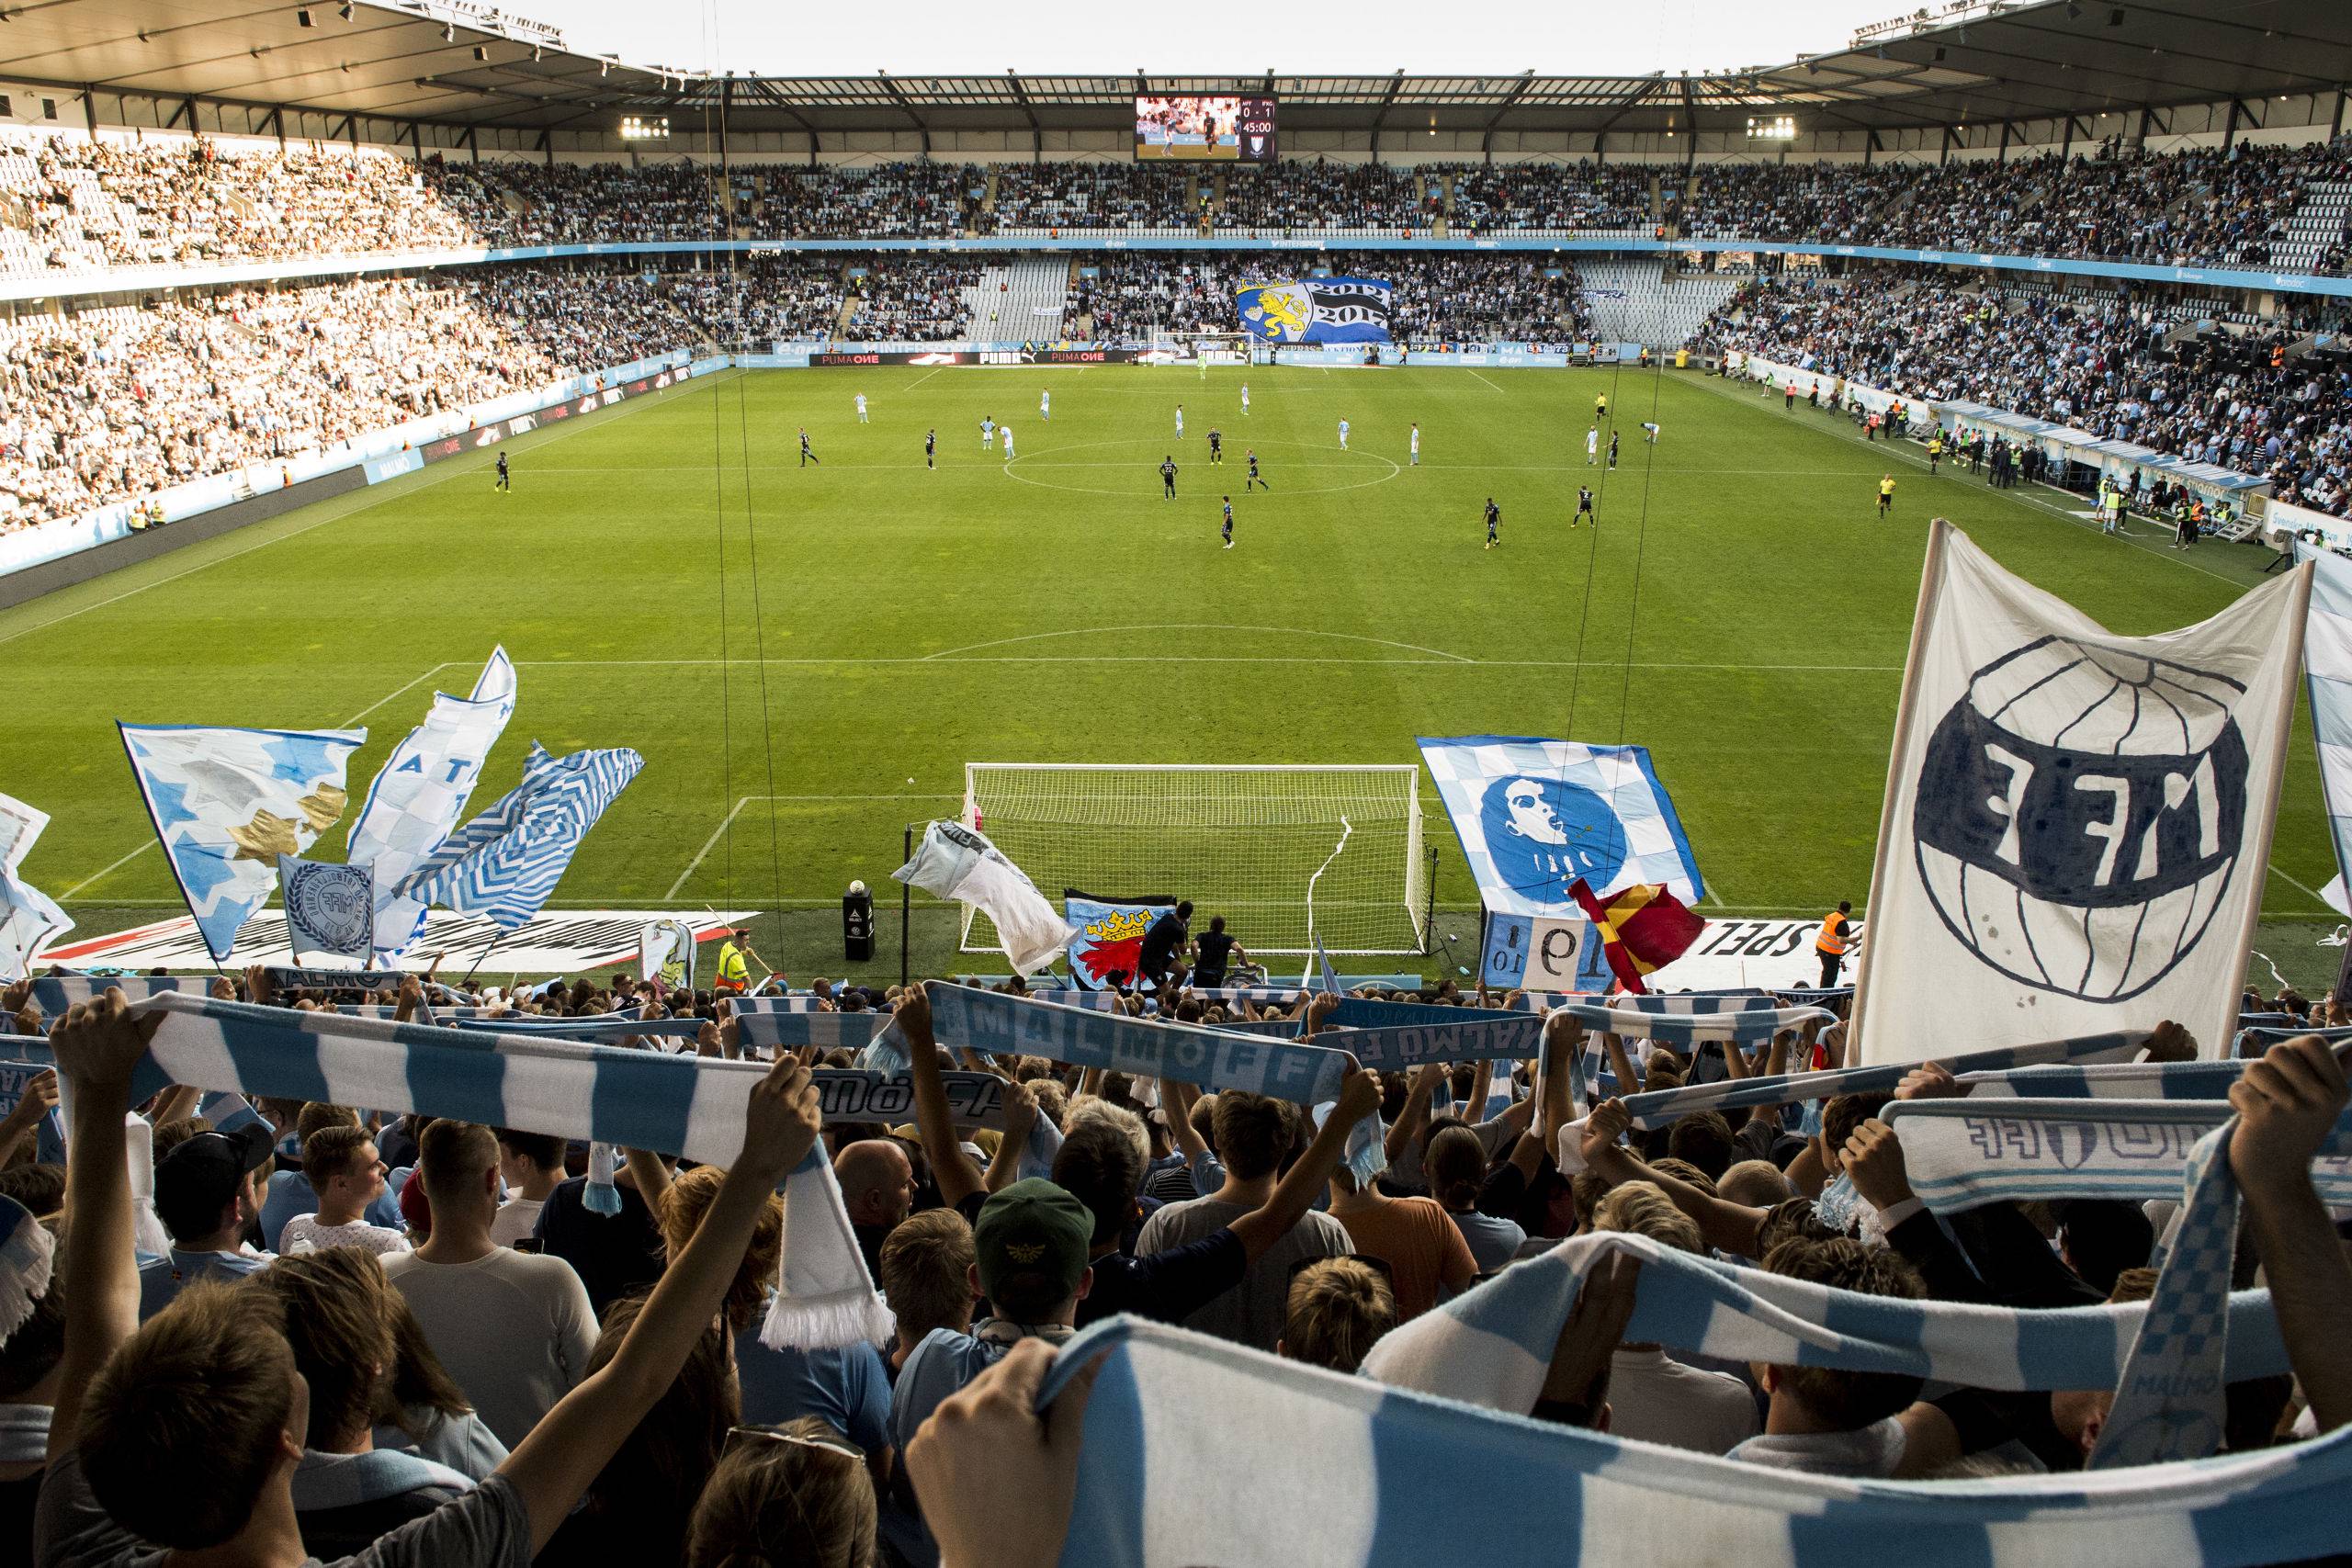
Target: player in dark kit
[[1494, 521], [1168, 478], [1217, 445], [1584, 507], [930, 448], [1612, 447], [1253, 478], [1229, 522], [806, 456], [505, 482]]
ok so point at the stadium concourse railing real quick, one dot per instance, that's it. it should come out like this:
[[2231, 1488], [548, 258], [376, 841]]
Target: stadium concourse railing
[[2064, 445], [57, 284]]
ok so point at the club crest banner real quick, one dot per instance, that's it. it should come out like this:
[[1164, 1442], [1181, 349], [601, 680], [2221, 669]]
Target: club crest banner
[[329, 908], [2076, 823], [1314, 309], [665, 952], [1535, 815], [1107, 937]]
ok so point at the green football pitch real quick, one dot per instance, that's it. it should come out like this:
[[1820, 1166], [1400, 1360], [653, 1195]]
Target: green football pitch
[[1740, 611]]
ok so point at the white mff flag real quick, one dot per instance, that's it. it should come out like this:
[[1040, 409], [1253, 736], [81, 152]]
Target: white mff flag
[[2076, 823]]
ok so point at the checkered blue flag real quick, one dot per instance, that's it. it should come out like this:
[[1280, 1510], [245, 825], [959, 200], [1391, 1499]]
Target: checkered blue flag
[[1535, 815], [506, 863]]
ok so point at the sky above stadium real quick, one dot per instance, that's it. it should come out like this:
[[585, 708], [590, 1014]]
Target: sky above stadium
[[1207, 37]]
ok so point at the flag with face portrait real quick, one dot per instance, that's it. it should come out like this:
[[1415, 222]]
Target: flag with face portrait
[[2077, 824], [226, 803], [1535, 817]]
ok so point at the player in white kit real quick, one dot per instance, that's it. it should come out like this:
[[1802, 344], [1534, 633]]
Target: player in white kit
[[1416, 446], [1006, 431], [1245, 400], [1592, 446], [860, 408], [988, 432], [1180, 422], [1046, 405], [1343, 435]]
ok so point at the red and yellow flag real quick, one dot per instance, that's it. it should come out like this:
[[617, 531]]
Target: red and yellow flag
[[1642, 928]]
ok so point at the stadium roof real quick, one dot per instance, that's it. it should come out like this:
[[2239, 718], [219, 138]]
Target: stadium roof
[[449, 63]]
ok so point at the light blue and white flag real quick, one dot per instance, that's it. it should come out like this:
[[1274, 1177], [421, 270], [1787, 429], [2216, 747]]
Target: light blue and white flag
[[2327, 683], [506, 863], [420, 794], [329, 908], [825, 1031], [226, 803], [685, 1104], [1536, 815], [55, 995], [2109, 1080], [29, 919]]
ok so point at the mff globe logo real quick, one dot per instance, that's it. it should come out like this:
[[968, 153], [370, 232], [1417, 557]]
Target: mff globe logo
[[2079, 814]]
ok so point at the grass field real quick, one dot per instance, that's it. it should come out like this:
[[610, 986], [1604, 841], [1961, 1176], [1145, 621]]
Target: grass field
[[1740, 611]]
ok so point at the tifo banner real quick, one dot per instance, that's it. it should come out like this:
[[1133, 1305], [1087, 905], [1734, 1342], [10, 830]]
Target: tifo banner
[[1535, 815], [328, 907], [1316, 310], [506, 862], [1107, 938], [226, 803], [2076, 823], [561, 941]]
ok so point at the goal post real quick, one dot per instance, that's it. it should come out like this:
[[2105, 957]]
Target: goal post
[[1203, 349], [1288, 853]]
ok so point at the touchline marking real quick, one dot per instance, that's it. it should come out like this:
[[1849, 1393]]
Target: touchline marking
[[2316, 896], [1488, 383], [708, 844], [1196, 627], [150, 842]]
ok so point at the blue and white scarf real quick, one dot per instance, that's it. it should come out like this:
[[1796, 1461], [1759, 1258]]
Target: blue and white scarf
[[1168, 1477], [1683, 1021], [26, 1253], [1405, 1034], [2111, 1080], [687, 1105]]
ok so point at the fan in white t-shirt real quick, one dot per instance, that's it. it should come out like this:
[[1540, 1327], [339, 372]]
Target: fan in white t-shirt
[[531, 1165], [1653, 1398], [344, 1170]]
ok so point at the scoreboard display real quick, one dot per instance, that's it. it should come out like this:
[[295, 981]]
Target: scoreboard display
[[1206, 128]]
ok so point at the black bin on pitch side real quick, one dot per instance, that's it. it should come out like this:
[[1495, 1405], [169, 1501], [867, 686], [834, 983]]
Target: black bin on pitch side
[[857, 924]]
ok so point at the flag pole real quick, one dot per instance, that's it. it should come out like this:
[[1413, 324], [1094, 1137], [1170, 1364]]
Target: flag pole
[[496, 937]]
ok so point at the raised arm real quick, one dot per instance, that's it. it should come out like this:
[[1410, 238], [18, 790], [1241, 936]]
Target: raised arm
[[1020, 1116], [2287, 1104], [1416, 1112], [96, 1045], [1295, 1193], [1729, 1227], [1177, 1098], [556, 1461], [950, 1168], [1629, 1076]]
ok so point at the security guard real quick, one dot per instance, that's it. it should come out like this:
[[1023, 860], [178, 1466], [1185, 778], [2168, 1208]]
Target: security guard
[[1836, 939]]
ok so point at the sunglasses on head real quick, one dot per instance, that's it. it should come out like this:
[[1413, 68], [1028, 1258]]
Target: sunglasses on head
[[769, 1434]]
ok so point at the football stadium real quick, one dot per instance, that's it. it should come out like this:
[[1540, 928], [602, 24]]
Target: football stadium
[[762, 812]]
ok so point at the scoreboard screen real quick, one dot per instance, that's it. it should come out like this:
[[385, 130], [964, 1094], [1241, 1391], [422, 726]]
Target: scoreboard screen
[[1201, 126]]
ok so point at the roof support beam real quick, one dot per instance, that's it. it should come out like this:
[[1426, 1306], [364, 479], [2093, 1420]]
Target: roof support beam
[[1036, 131], [2335, 120], [1690, 125], [1945, 156], [90, 112], [1517, 91], [2230, 130], [1395, 86], [906, 108], [1870, 147], [2003, 155]]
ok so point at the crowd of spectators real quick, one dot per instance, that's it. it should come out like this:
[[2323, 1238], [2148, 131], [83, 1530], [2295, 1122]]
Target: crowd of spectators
[[343, 1327], [115, 403], [75, 204], [1486, 296], [2104, 362]]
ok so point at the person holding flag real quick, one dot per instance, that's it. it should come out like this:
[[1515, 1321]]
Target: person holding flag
[[734, 976], [1835, 941]]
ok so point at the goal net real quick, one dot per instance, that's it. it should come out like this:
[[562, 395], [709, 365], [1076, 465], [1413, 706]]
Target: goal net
[[1203, 349], [1287, 854]]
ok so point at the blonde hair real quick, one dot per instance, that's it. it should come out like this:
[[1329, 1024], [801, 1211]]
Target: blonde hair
[[773, 1503], [1642, 1208], [926, 1272], [1338, 1309], [683, 1207]]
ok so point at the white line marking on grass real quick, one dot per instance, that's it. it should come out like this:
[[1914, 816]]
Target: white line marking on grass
[[2290, 882], [1190, 626], [707, 845], [922, 378], [1445, 662], [1488, 383], [150, 842]]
